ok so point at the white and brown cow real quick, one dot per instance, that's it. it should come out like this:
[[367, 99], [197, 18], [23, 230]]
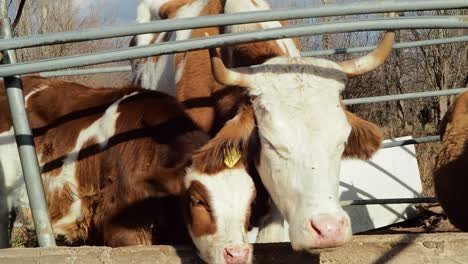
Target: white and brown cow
[[117, 163], [177, 74], [451, 168], [302, 129]]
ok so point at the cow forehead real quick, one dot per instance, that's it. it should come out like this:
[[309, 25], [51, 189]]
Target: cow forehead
[[296, 102], [230, 191], [297, 83], [286, 74]]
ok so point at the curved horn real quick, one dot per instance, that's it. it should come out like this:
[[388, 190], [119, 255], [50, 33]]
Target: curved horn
[[369, 62], [224, 75]]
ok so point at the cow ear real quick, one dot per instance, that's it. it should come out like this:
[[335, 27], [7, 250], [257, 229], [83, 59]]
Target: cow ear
[[230, 147], [364, 140]]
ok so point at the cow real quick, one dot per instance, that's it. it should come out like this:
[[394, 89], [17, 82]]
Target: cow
[[127, 166], [450, 173], [165, 72], [290, 99], [176, 74]]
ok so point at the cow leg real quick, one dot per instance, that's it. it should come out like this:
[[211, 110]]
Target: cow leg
[[274, 228]]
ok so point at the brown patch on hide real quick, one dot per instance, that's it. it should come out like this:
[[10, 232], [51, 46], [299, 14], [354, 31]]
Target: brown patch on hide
[[197, 209], [236, 134]]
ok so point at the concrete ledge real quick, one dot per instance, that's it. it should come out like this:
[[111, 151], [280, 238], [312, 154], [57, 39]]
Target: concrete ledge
[[401, 248]]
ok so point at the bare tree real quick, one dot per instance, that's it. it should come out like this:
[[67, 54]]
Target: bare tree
[[443, 66], [44, 16]]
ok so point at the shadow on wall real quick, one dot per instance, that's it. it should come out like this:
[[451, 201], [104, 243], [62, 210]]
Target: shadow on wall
[[359, 215], [392, 173], [355, 191], [395, 178]]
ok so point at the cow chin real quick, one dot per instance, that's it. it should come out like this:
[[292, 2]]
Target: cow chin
[[212, 251]]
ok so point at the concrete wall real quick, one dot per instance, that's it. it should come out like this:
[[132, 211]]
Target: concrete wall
[[404, 248]]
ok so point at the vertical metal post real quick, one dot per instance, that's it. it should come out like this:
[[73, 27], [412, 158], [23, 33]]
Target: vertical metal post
[[27, 152]]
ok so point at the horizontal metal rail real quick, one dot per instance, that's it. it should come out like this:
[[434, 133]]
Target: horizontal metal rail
[[86, 71], [390, 201], [230, 19], [413, 141], [412, 44], [406, 96], [233, 38]]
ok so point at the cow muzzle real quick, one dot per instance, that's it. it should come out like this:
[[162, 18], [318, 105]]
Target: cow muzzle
[[322, 231], [237, 255]]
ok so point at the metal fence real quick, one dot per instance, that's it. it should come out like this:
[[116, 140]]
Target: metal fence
[[11, 71]]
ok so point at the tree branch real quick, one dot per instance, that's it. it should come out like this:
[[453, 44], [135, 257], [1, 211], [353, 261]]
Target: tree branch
[[18, 14]]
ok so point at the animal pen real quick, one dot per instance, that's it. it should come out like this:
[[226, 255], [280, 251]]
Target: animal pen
[[11, 71]]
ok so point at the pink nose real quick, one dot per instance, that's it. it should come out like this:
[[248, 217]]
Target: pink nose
[[330, 231], [236, 255]]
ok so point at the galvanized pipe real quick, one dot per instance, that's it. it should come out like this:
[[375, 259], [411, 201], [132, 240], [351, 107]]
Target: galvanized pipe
[[3, 8], [390, 201], [86, 71], [233, 38], [401, 45], [411, 44], [413, 141], [26, 150], [238, 18], [406, 96]]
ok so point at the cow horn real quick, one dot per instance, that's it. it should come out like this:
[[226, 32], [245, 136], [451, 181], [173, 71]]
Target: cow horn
[[369, 62], [224, 75]]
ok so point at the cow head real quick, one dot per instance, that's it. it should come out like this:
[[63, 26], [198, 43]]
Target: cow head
[[219, 195], [304, 133]]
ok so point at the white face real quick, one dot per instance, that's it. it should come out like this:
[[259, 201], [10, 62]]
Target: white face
[[219, 209], [303, 131]]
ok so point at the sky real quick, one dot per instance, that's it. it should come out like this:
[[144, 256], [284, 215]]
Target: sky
[[125, 10]]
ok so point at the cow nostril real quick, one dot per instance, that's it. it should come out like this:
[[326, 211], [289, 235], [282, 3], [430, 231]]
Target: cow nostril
[[315, 228], [236, 255]]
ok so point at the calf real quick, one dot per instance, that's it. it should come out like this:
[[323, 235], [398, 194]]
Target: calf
[[451, 166], [117, 163]]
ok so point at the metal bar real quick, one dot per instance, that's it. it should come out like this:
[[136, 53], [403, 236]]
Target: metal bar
[[230, 19], [406, 96], [413, 141], [3, 8], [390, 201], [411, 44], [86, 71], [401, 45], [233, 38], [26, 150]]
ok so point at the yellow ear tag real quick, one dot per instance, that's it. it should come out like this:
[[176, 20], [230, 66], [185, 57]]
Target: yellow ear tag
[[231, 156]]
